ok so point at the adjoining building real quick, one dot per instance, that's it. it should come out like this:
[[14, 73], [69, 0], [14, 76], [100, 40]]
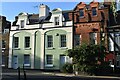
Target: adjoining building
[[39, 41], [5, 28], [90, 21]]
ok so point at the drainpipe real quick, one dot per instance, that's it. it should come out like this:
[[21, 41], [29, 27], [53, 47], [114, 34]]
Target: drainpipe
[[114, 69], [73, 29]]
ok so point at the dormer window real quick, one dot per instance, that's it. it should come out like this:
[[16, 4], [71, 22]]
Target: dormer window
[[94, 12], [56, 20], [81, 13], [22, 23]]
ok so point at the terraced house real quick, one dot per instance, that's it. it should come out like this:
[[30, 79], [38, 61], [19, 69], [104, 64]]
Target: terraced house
[[90, 21], [39, 41]]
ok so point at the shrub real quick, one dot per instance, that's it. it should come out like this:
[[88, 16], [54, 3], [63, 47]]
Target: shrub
[[67, 68]]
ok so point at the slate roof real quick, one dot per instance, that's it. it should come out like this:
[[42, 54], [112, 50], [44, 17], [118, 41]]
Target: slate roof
[[34, 18]]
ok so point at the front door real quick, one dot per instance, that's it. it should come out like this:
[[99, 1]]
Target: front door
[[62, 60], [15, 62]]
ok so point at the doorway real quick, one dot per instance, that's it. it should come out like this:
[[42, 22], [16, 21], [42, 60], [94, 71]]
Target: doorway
[[15, 62]]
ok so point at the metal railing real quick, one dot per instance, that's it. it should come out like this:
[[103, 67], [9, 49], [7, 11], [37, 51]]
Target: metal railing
[[24, 72]]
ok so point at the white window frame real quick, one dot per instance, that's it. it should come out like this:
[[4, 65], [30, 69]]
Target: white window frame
[[28, 63], [27, 42], [57, 20], [49, 64], [16, 42], [51, 42], [64, 41], [22, 23]]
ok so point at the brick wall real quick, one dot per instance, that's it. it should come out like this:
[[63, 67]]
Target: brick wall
[[89, 23]]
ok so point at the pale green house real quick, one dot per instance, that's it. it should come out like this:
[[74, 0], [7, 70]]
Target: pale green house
[[39, 41]]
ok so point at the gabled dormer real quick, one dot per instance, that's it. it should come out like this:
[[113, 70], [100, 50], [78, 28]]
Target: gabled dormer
[[56, 17], [94, 8], [22, 20]]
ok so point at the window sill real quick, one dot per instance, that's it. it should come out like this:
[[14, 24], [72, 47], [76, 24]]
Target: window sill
[[3, 48], [63, 48], [26, 65], [16, 48], [49, 65], [27, 48], [94, 15], [50, 48], [82, 17]]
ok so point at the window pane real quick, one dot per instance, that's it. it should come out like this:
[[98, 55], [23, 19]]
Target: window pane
[[77, 40], [92, 36], [22, 23], [63, 40], [49, 41], [3, 43], [94, 11], [81, 13], [16, 41], [49, 59], [117, 63], [56, 20], [27, 42], [3, 59], [26, 59]]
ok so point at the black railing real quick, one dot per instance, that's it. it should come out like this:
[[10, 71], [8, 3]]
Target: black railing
[[24, 72]]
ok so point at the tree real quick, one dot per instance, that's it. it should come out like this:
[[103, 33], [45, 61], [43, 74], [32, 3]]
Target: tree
[[88, 58]]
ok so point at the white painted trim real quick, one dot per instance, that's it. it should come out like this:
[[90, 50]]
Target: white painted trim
[[49, 65], [10, 51], [32, 50], [42, 51]]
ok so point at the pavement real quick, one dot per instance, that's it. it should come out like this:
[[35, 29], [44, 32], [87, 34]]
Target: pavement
[[13, 72]]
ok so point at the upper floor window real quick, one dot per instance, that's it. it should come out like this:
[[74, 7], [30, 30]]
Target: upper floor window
[[27, 42], [94, 12], [63, 40], [16, 42], [93, 36], [22, 23], [81, 13], [49, 41], [3, 43], [56, 20], [77, 40]]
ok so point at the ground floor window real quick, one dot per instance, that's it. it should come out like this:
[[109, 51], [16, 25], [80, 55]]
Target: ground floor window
[[3, 60], [117, 63], [26, 60], [49, 59]]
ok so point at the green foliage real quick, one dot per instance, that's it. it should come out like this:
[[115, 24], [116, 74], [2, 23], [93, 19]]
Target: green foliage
[[67, 68], [86, 57]]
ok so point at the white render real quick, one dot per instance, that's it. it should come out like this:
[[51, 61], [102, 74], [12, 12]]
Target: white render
[[32, 30]]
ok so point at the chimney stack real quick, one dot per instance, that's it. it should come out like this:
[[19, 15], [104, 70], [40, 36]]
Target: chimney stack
[[43, 10]]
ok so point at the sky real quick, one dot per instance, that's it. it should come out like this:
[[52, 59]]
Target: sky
[[12, 8]]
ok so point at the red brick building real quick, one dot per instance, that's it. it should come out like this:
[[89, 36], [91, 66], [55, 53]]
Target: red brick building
[[90, 21]]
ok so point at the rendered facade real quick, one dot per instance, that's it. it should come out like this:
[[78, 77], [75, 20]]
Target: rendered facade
[[39, 41]]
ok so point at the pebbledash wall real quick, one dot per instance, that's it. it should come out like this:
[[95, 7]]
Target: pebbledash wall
[[38, 27]]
